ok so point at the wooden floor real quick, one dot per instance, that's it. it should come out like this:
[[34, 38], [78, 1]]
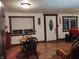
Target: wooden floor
[[46, 50]]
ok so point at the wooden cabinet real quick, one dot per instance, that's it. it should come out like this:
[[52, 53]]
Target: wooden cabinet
[[8, 40]]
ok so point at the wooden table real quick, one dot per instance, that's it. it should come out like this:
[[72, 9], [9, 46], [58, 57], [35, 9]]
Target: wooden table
[[22, 41]]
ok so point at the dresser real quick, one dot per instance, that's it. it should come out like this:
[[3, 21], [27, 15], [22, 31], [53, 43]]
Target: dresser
[[8, 40]]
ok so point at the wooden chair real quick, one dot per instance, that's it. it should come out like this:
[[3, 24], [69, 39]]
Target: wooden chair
[[75, 53], [30, 47], [66, 53]]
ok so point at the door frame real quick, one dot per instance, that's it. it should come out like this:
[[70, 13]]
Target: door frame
[[45, 34]]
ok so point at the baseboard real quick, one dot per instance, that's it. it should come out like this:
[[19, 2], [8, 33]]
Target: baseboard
[[20, 43], [42, 41], [47, 41], [61, 38], [15, 44]]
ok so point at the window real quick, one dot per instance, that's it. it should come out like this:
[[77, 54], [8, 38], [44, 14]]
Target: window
[[69, 22], [20, 25]]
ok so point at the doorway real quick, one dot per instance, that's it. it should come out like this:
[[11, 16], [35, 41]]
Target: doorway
[[51, 27]]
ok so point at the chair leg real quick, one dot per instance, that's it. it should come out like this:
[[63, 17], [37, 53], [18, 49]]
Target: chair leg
[[26, 54], [36, 54], [26, 57]]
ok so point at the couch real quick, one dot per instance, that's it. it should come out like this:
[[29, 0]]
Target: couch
[[73, 34]]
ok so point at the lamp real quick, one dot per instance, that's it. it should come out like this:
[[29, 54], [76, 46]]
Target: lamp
[[25, 5]]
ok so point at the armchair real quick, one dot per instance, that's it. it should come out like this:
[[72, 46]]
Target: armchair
[[73, 34], [68, 53]]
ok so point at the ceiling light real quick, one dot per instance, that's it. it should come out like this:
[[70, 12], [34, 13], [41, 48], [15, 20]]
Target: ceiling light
[[26, 1], [25, 5], [1, 4]]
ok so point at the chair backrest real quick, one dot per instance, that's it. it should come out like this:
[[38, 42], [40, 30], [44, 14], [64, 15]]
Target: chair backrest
[[75, 53], [32, 43], [75, 43]]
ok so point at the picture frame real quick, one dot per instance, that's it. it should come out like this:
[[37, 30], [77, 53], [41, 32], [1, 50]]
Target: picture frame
[[60, 20], [38, 21]]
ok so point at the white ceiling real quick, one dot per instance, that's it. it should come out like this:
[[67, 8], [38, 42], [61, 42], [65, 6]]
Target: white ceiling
[[45, 6]]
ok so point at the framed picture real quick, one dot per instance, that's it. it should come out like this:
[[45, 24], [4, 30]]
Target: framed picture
[[38, 21], [60, 20]]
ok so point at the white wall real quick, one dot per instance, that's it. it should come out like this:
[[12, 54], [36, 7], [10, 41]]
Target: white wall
[[38, 28], [61, 34]]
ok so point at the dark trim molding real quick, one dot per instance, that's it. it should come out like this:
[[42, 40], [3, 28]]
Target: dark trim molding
[[10, 25], [61, 39], [21, 17], [45, 25]]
